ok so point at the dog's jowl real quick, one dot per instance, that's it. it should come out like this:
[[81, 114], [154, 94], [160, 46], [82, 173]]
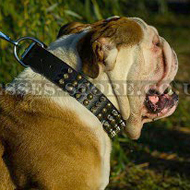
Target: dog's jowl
[[49, 140]]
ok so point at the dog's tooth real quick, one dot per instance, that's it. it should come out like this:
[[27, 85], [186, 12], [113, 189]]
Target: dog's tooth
[[170, 92]]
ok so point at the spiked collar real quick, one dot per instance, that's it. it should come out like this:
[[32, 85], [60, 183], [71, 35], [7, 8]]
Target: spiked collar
[[37, 57]]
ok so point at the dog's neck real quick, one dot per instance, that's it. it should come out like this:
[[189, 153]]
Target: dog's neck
[[66, 49]]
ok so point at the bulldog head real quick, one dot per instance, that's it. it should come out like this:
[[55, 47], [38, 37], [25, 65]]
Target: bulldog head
[[129, 51]]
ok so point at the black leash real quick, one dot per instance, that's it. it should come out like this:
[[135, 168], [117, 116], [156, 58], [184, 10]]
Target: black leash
[[74, 83]]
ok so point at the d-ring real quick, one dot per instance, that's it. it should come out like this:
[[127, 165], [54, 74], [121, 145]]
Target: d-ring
[[17, 44]]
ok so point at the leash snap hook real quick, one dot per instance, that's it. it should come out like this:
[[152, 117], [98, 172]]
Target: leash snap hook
[[8, 39]]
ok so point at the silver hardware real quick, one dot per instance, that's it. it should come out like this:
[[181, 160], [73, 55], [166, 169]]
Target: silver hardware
[[70, 70], [110, 117], [22, 39], [69, 87], [79, 77], [117, 130], [65, 76], [8, 39], [112, 121], [77, 95], [113, 134], [106, 125], [114, 112], [61, 81], [87, 83], [86, 102], [90, 96], [102, 99], [93, 109], [110, 130], [74, 83], [118, 116], [17, 43], [104, 110], [99, 116], [123, 124], [109, 105], [94, 91], [82, 89], [98, 104]]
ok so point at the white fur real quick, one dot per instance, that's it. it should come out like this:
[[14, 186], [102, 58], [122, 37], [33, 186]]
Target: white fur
[[61, 48], [131, 63]]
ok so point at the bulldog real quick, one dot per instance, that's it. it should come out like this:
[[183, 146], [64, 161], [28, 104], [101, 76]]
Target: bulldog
[[54, 142]]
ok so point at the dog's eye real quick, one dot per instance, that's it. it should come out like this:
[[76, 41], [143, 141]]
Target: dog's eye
[[157, 44]]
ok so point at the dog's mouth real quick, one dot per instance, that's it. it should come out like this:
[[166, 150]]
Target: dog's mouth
[[160, 104]]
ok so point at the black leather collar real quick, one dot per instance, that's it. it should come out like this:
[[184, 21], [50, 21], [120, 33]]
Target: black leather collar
[[77, 86]]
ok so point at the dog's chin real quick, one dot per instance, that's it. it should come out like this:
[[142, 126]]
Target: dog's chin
[[156, 106]]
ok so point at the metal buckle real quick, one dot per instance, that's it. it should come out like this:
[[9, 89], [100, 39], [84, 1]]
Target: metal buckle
[[17, 43], [22, 39]]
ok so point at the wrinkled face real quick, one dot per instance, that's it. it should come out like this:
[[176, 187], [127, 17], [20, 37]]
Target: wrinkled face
[[154, 66], [130, 52]]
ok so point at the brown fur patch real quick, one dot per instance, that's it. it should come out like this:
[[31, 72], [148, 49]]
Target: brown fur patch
[[71, 28], [47, 147], [120, 31], [5, 179]]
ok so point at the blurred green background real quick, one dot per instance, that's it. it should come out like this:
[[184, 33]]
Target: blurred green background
[[160, 159]]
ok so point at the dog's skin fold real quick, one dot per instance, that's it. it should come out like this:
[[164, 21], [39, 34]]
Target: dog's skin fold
[[53, 142]]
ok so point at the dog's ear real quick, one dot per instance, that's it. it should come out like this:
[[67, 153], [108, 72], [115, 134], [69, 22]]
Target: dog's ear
[[98, 49], [71, 28], [96, 55]]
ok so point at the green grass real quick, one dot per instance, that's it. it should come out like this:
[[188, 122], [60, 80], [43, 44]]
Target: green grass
[[160, 159]]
